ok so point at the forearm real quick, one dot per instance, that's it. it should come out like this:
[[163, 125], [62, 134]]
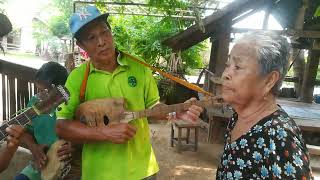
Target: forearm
[[6, 156], [159, 116], [27, 141], [78, 133]]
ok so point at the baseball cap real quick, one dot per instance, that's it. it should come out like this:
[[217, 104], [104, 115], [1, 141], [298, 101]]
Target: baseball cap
[[83, 16]]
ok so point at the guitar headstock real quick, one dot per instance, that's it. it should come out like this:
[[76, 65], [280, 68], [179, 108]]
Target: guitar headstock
[[50, 99]]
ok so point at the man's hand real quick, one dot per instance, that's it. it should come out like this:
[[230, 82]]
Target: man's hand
[[64, 152], [118, 133], [192, 114], [39, 156], [15, 133]]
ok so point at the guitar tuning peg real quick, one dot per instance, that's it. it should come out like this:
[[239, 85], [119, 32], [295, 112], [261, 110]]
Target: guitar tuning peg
[[52, 85]]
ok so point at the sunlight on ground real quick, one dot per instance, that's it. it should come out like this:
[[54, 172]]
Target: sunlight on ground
[[184, 169]]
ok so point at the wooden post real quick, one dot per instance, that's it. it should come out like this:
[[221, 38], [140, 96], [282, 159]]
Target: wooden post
[[4, 97], [299, 64], [298, 69], [11, 95], [310, 75], [219, 53]]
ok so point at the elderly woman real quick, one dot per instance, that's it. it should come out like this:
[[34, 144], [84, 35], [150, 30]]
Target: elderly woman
[[262, 141]]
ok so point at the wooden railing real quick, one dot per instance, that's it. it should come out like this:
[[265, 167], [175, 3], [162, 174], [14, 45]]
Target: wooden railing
[[16, 88]]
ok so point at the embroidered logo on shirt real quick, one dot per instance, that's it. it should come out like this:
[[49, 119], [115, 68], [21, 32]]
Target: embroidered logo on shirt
[[132, 81]]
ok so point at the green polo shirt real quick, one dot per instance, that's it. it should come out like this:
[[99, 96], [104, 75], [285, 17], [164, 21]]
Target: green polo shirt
[[135, 159]]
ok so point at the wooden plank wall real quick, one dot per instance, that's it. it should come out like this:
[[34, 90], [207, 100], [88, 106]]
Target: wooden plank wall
[[16, 88]]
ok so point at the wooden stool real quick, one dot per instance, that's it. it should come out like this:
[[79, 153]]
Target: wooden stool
[[178, 140]]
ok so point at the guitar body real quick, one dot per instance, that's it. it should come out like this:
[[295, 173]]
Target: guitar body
[[75, 171], [54, 167], [57, 170], [101, 112]]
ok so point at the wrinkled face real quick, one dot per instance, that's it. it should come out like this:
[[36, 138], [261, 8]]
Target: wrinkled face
[[97, 41], [241, 80]]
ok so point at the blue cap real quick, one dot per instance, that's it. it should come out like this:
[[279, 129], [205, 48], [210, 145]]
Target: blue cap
[[83, 16]]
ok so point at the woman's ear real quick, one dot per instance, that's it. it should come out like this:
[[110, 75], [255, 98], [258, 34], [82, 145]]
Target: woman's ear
[[271, 80]]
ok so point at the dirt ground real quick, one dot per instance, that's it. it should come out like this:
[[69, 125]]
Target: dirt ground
[[189, 165]]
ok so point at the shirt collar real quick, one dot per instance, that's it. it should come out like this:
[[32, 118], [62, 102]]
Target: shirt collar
[[120, 59]]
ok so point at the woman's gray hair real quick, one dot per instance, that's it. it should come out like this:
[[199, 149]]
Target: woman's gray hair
[[273, 53]]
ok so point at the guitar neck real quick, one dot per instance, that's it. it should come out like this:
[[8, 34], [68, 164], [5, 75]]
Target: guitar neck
[[165, 109], [21, 119]]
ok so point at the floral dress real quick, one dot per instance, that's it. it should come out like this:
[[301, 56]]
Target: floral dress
[[271, 149]]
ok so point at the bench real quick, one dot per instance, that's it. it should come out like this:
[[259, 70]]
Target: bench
[[178, 141]]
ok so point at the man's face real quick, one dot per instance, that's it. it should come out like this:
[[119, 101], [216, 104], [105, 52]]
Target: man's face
[[97, 41]]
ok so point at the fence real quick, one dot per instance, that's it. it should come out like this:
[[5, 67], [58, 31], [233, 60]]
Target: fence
[[16, 88]]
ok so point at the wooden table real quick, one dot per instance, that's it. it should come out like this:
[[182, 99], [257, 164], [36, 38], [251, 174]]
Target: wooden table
[[218, 117], [307, 116]]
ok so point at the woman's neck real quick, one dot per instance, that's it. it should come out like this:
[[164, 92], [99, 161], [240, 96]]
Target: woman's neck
[[255, 110]]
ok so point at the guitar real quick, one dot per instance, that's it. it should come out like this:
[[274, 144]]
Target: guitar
[[101, 112], [47, 100]]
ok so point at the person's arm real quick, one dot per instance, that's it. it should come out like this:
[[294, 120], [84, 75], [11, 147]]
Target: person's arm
[[77, 132], [37, 150], [6, 156], [12, 145], [152, 98], [192, 114]]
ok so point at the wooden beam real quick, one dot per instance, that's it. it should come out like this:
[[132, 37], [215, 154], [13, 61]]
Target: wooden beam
[[16, 70], [212, 24], [314, 150], [296, 79], [219, 55], [245, 15], [294, 33], [309, 77]]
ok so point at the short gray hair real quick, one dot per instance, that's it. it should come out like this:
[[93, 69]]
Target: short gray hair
[[273, 53]]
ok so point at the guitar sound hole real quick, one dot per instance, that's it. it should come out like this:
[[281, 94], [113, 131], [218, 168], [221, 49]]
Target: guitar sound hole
[[105, 120]]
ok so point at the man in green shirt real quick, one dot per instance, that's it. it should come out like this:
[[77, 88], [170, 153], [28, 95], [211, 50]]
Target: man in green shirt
[[120, 151]]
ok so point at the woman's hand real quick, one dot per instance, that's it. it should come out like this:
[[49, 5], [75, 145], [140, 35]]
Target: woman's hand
[[191, 115], [65, 151], [15, 132], [39, 156]]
